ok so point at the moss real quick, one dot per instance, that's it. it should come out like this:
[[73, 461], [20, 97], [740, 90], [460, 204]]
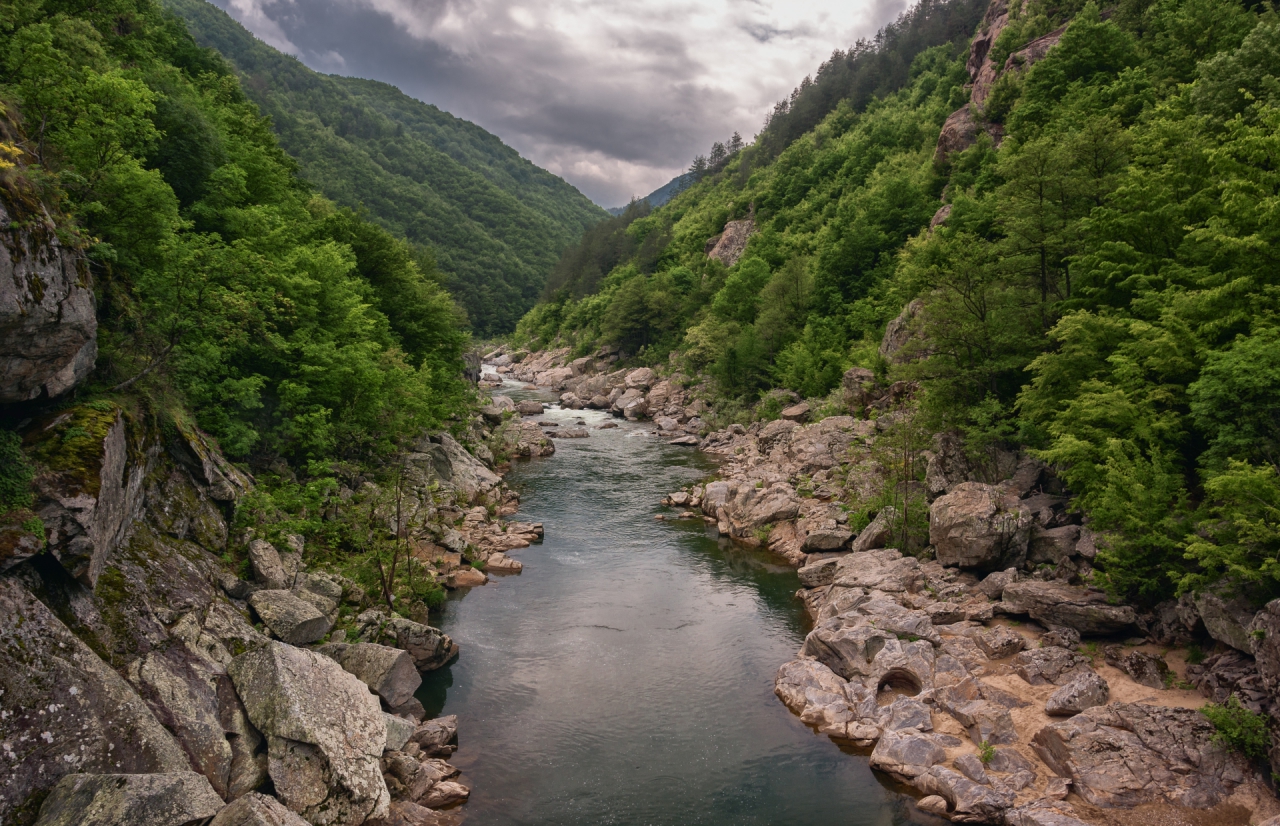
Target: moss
[[71, 445]]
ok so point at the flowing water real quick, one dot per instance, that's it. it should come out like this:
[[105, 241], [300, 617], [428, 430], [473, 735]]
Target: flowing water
[[626, 676]]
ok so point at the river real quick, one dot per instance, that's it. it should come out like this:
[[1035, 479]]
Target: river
[[626, 676]]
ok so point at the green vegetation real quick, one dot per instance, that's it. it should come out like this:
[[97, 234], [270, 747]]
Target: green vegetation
[[296, 330], [495, 222], [986, 752], [15, 474], [1239, 729], [1104, 290]]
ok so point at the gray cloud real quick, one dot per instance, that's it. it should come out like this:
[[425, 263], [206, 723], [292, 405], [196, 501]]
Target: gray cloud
[[616, 96]]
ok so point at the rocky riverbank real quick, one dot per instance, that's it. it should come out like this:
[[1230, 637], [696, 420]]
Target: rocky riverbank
[[981, 669], [146, 678]]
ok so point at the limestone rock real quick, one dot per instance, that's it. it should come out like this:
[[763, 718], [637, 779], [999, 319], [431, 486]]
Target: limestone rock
[[1144, 668], [979, 526], [994, 584], [877, 533], [406, 813], [48, 318], [325, 733], [1227, 619], [529, 408], [172, 799], [1124, 755], [389, 672], [1000, 642], [968, 802], [1049, 664], [1085, 690], [731, 243], [257, 810], [97, 722], [1070, 606], [267, 566], [906, 753], [430, 647], [290, 619], [399, 730]]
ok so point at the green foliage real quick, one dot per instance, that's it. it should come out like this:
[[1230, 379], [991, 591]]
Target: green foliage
[[495, 222], [295, 329], [986, 752], [15, 473], [1238, 728]]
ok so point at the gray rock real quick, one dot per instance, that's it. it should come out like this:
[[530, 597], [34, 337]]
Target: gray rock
[[1085, 690], [529, 408], [830, 537], [818, 574], [933, 804], [1123, 755], [1050, 664], [1053, 546], [1070, 606], [434, 736], [1042, 813], [325, 732], [1227, 619], [1000, 642], [289, 618], [97, 724], [320, 584], [967, 801], [1142, 667], [906, 713], [171, 799], [267, 566], [906, 753], [979, 526], [986, 721], [399, 730], [48, 318], [971, 767], [876, 534], [1264, 631], [1007, 761], [430, 647], [993, 586], [1068, 638], [389, 672], [257, 810]]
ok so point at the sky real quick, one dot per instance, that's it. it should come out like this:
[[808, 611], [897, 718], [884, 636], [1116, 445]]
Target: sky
[[615, 96]]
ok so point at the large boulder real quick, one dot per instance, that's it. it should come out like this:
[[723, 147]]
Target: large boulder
[[1057, 604], [979, 526], [257, 810], [1084, 691], [290, 618], [877, 533], [1265, 633], [171, 799], [906, 753], [267, 566], [1227, 619], [1124, 755], [325, 733], [641, 379], [429, 647], [729, 245], [389, 672], [98, 722], [48, 319]]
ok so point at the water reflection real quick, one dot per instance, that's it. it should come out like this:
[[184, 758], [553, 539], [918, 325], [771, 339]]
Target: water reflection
[[626, 676]]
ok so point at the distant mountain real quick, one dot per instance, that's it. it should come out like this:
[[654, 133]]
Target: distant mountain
[[496, 222], [660, 195]]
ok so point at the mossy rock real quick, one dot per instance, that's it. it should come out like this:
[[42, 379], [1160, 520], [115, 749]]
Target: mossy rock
[[70, 445]]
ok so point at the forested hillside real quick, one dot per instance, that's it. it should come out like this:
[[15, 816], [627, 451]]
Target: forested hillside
[[1101, 283], [293, 330], [495, 222]]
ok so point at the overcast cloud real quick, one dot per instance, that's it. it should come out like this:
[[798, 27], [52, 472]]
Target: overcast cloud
[[616, 96]]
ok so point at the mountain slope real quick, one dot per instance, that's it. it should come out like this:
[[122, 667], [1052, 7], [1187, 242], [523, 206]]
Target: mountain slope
[[662, 194], [495, 222]]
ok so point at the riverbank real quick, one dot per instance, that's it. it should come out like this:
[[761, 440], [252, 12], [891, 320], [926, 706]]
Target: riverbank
[[981, 671]]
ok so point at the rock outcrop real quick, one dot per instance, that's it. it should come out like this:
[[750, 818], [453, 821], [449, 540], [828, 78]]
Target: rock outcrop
[[728, 246]]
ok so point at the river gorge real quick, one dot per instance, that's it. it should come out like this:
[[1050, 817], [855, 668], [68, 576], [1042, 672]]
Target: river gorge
[[626, 676]]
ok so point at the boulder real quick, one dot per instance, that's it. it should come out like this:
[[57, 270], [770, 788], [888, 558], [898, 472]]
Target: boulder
[[289, 618], [877, 533], [407, 813], [48, 317], [1264, 631], [529, 407], [257, 810], [1123, 755], [389, 672], [730, 244], [994, 584], [906, 753], [1083, 691], [818, 574], [430, 647], [1143, 668], [967, 801], [796, 413], [399, 730], [1069, 606], [434, 736], [641, 379], [858, 385], [1000, 642], [466, 578], [325, 732], [826, 537], [959, 132], [1049, 664], [1227, 619], [267, 567], [899, 332], [979, 526], [170, 799], [97, 724], [971, 767], [1053, 546]]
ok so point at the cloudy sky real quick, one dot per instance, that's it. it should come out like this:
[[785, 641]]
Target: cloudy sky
[[616, 96]]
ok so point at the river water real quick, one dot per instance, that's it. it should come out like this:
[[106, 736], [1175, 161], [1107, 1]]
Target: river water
[[626, 676]]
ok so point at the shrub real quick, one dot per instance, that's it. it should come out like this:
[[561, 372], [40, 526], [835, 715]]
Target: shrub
[[1239, 729], [15, 473]]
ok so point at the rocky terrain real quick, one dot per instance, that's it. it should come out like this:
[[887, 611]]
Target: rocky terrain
[[981, 670]]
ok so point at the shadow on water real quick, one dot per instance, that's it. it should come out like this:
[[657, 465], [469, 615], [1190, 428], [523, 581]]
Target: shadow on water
[[626, 677]]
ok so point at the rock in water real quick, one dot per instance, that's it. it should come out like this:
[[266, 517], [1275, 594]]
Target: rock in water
[[257, 810], [174, 799], [389, 672], [325, 733], [291, 619]]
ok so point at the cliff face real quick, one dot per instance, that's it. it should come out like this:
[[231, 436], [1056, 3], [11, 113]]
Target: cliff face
[[48, 326]]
